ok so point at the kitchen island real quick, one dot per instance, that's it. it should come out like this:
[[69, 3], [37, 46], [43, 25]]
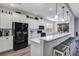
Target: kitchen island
[[43, 46]]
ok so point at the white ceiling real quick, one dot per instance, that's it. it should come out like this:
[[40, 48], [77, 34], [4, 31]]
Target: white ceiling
[[41, 9], [75, 8]]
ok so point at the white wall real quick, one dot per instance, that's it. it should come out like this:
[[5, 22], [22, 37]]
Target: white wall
[[72, 26], [77, 25]]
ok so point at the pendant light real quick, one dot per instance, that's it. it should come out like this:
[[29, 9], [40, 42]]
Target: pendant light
[[67, 16], [56, 16], [63, 13]]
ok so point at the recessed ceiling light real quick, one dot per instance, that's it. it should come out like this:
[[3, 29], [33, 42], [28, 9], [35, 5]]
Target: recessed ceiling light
[[11, 4], [50, 9], [36, 13]]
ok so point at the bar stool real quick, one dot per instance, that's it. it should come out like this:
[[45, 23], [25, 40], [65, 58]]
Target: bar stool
[[60, 50], [67, 44], [70, 43]]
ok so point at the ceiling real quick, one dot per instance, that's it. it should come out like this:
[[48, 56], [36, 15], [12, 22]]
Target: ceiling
[[41, 9], [75, 9]]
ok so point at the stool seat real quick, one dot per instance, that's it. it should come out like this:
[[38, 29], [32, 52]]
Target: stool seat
[[60, 47], [68, 41]]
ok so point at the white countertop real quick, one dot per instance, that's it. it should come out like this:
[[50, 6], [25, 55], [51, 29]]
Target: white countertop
[[53, 37], [49, 37]]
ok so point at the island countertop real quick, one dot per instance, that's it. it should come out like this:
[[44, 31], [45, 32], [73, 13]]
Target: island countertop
[[49, 37], [53, 37], [43, 46]]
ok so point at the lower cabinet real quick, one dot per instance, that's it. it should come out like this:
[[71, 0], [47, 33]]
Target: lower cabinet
[[6, 43]]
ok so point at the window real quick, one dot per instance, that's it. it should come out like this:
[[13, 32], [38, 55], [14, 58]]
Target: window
[[64, 27]]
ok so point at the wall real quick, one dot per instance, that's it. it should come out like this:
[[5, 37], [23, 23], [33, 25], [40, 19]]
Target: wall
[[77, 26], [49, 28], [71, 26]]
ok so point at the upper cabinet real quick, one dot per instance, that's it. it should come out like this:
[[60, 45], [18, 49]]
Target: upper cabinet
[[5, 20], [19, 18], [34, 24]]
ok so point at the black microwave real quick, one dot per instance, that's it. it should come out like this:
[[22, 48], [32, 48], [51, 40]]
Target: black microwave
[[41, 27]]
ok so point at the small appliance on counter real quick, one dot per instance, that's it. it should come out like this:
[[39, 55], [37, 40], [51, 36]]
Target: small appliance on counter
[[41, 27], [43, 34], [39, 31]]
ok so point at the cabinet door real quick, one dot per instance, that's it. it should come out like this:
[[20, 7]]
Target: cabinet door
[[15, 17], [1, 44], [8, 43], [19, 18], [23, 18], [3, 20], [32, 23], [9, 21]]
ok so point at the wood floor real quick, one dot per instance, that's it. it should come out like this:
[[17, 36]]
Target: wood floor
[[21, 52]]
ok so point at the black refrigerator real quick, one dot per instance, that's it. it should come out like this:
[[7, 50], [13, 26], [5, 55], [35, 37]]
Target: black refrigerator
[[20, 35]]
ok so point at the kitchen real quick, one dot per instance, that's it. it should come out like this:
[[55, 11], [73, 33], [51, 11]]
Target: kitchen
[[20, 29]]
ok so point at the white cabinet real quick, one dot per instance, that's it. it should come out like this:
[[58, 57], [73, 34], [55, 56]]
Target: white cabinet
[[1, 44], [6, 43], [16, 17], [19, 18], [5, 20], [33, 24], [23, 18], [9, 21]]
